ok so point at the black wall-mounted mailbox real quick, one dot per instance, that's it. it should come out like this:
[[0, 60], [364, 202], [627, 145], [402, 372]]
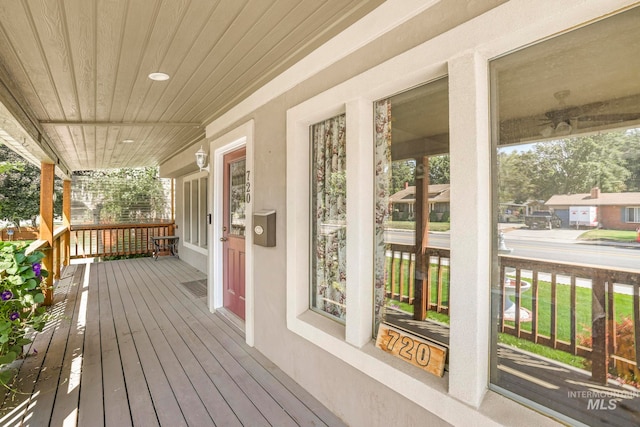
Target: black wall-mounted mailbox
[[264, 228]]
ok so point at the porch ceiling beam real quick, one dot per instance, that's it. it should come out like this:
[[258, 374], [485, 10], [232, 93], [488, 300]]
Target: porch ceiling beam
[[21, 115], [110, 123]]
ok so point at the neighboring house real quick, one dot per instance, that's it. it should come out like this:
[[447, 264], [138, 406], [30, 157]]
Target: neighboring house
[[615, 211], [403, 201]]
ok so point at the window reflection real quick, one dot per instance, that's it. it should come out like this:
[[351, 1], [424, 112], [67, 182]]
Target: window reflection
[[567, 134], [413, 211]]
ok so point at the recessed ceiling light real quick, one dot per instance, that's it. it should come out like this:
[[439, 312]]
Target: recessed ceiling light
[[159, 76], [127, 141]]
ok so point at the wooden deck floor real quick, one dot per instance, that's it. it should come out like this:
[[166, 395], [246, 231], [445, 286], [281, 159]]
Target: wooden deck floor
[[132, 343]]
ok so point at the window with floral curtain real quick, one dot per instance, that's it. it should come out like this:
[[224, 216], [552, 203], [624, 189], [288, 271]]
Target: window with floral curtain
[[328, 222]]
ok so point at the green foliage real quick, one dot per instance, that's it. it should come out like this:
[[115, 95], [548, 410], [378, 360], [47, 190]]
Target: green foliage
[[127, 195], [439, 170], [20, 298], [610, 161], [402, 173], [20, 189]]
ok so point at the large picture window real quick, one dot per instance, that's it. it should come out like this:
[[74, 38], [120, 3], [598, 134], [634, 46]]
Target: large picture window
[[565, 310], [329, 214], [412, 211]]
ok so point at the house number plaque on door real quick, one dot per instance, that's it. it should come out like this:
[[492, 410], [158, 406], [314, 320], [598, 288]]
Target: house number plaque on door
[[410, 348]]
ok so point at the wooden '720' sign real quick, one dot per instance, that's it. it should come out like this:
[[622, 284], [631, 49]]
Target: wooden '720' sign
[[412, 349]]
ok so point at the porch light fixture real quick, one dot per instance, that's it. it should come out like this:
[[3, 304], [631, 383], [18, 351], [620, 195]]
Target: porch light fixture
[[159, 77], [201, 160], [127, 141]]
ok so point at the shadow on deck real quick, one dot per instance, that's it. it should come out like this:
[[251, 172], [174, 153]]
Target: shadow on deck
[[133, 343]]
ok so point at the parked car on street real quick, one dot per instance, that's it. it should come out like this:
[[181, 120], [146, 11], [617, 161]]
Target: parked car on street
[[542, 220]]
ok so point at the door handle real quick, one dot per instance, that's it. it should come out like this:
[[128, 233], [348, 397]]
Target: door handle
[[223, 239]]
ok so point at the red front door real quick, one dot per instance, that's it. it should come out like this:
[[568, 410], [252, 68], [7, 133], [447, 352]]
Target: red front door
[[233, 231]]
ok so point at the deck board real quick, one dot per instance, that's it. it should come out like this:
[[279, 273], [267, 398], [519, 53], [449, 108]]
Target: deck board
[[91, 407], [68, 392], [149, 353], [116, 407]]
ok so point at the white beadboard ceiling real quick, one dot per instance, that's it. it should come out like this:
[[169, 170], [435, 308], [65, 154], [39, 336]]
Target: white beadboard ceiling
[[78, 68]]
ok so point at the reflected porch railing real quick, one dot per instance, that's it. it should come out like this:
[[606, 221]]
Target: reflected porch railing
[[569, 307]]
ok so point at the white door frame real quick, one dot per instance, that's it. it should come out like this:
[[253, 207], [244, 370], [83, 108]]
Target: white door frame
[[227, 143]]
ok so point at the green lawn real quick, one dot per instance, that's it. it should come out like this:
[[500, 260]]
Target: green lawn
[[611, 235], [411, 225], [549, 353]]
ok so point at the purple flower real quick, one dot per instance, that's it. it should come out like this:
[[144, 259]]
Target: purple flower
[[14, 316], [6, 295], [36, 268]]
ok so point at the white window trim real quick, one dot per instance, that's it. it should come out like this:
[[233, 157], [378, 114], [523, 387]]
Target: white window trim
[[202, 221], [465, 60]]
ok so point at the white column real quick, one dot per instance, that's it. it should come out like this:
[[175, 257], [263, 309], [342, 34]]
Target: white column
[[360, 191], [470, 227]]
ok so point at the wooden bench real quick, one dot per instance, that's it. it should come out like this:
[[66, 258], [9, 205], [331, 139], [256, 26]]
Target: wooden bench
[[164, 243]]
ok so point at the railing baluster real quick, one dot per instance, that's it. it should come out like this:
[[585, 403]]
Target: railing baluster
[[611, 319], [534, 306], [402, 277], [636, 319], [572, 321], [388, 267], [412, 276], [393, 274], [517, 298], [440, 284], [429, 288], [554, 311], [502, 297]]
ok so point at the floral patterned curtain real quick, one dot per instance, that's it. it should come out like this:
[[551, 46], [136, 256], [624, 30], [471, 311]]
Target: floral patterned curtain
[[329, 225], [382, 188]]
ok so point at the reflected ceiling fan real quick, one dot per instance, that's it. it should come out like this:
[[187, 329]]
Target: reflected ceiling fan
[[561, 121]]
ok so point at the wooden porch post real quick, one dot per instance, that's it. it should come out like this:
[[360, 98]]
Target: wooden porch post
[[421, 301], [173, 218], [599, 356], [47, 174], [66, 219]]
